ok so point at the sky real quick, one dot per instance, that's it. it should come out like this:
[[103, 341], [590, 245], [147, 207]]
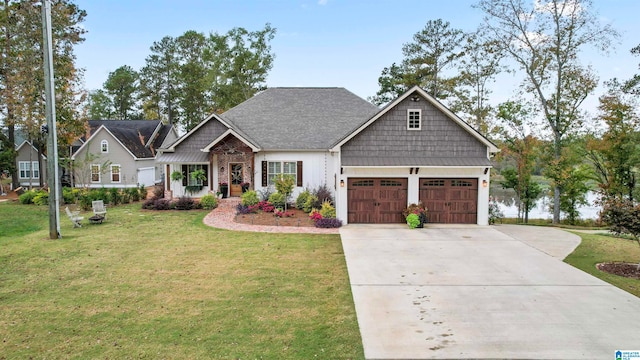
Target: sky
[[319, 43]]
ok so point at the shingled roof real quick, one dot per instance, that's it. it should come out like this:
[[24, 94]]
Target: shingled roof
[[284, 118], [135, 135]]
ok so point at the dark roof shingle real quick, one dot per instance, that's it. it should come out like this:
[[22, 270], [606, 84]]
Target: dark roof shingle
[[134, 134], [299, 118]]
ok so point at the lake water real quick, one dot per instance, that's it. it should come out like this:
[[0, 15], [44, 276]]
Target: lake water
[[506, 201]]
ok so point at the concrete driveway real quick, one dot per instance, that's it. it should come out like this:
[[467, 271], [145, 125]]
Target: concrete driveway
[[474, 292]]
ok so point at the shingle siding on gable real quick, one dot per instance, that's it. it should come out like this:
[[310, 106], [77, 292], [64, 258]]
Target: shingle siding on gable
[[200, 139], [387, 142]]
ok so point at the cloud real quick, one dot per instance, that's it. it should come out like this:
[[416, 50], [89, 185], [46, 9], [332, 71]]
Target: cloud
[[565, 8], [323, 2]]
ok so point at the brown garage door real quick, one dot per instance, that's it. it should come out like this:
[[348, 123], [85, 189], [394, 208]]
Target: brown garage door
[[450, 201], [375, 200]]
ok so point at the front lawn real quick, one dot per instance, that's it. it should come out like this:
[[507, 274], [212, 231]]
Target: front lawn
[[596, 249], [162, 285]]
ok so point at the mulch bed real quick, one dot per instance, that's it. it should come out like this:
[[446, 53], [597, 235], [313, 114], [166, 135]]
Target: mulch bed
[[300, 218], [620, 269]]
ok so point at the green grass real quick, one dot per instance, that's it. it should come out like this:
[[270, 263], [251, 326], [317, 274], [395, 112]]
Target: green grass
[[163, 285], [596, 249]]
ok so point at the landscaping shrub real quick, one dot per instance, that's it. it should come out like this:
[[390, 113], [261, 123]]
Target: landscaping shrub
[[277, 199], [328, 223], [100, 194], [70, 195], [243, 209], [302, 199], [323, 193], [280, 213], [115, 197], [266, 206], [142, 192], [184, 203], [157, 204], [158, 192], [623, 217], [495, 214], [27, 197], [327, 210], [134, 194], [315, 215], [265, 193], [41, 198], [249, 198], [311, 203], [209, 202]]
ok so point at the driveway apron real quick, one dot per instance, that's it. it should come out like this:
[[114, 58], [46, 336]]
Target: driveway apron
[[474, 292]]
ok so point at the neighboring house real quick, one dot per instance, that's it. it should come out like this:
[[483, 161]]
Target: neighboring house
[[120, 153], [29, 173], [376, 161]]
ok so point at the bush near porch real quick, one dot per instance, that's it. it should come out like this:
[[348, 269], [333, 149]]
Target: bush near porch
[[308, 207]]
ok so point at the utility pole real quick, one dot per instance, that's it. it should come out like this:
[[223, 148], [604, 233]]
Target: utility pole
[[52, 139]]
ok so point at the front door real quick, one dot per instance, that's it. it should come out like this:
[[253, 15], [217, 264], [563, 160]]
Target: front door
[[235, 187]]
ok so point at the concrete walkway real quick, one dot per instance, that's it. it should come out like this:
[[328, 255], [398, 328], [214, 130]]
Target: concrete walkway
[[473, 292]]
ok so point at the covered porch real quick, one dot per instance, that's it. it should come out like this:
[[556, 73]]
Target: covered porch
[[225, 166]]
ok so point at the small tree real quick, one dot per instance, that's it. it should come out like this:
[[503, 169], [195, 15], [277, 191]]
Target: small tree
[[623, 217], [177, 176], [80, 168], [284, 185]]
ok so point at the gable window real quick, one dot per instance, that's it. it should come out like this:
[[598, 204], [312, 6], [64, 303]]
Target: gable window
[[25, 170], [95, 173], [115, 173], [414, 119], [104, 146]]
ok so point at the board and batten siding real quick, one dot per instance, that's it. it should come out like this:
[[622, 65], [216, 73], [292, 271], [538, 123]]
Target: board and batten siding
[[318, 168], [388, 142]]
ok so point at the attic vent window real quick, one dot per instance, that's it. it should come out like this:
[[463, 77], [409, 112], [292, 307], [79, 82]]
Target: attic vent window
[[104, 146], [414, 119]]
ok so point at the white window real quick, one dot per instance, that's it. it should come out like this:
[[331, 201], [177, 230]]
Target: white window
[[193, 181], [104, 146], [277, 168], [414, 119], [25, 170], [115, 173], [95, 173]]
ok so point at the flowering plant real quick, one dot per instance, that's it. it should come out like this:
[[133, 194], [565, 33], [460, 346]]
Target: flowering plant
[[315, 215], [417, 209], [279, 213], [224, 183]]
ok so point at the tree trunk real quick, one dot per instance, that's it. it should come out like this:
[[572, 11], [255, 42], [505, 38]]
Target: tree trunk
[[556, 188]]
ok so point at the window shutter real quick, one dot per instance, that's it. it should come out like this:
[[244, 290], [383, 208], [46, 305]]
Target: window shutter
[[299, 173], [184, 175], [205, 168], [264, 174]]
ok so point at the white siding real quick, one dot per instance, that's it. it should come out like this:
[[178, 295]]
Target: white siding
[[318, 168]]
